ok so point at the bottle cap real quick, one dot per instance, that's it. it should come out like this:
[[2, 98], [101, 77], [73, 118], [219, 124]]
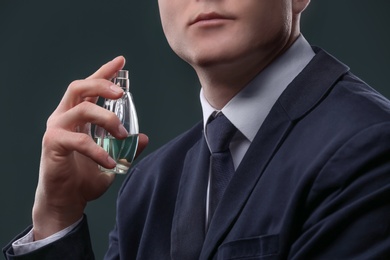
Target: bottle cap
[[123, 74]]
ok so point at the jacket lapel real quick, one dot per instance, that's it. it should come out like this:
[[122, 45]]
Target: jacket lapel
[[188, 227], [301, 96]]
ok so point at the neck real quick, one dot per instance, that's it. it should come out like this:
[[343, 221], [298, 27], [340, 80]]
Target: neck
[[221, 82]]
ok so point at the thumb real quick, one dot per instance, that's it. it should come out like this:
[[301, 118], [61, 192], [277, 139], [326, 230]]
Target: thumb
[[143, 141]]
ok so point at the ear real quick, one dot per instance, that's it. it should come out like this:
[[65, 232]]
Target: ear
[[299, 6]]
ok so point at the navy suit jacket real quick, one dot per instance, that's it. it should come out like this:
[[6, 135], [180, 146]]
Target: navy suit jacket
[[314, 184]]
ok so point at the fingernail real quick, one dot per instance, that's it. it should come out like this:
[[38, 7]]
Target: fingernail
[[116, 58], [119, 57], [116, 89], [122, 131], [111, 161]]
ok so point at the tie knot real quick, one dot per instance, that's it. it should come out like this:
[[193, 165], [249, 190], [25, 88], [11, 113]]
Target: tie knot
[[220, 132]]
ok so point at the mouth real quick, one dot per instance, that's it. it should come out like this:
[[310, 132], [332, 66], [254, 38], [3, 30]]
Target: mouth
[[209, 17]]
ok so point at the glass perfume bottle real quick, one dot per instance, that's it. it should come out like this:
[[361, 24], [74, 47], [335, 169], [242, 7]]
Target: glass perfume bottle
[[122, 151]]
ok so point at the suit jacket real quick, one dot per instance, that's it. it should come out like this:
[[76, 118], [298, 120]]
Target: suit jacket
[[314, 184]]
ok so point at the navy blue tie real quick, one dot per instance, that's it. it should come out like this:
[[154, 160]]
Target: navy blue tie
[[220, 132]]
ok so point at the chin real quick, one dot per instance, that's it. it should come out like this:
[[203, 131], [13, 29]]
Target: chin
[[205, 61], [210, 57]]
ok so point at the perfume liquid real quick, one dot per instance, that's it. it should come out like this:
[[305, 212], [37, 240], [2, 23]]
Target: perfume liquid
[[122, 151]]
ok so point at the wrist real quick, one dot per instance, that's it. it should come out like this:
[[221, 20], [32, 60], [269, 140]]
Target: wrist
[[48, 221]]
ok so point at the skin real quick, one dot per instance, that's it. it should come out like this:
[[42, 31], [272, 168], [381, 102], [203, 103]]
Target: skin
[[227, 53], [231, 44], [69, 176]]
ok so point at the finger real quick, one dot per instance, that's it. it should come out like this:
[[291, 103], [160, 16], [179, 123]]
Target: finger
[[143, 141], [65, 142], [88, 90], [88, 112], [108, 70]]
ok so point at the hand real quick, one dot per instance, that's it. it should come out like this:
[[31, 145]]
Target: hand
[[69, 176]]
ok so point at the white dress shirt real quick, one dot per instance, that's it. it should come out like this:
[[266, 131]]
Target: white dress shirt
[[247, 112], [249, 108]]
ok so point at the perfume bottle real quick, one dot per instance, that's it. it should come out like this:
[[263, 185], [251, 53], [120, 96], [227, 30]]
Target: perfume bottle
[[122, 151]]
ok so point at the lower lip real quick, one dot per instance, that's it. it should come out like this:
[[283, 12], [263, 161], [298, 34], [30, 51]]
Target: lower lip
[[211, 22]]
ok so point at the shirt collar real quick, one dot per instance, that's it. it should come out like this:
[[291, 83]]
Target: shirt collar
[[257, 98]]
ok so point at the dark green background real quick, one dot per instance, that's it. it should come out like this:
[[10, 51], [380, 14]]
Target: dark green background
[[44, 45]]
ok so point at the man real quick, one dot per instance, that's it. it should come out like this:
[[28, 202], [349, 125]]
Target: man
[[310, 151]]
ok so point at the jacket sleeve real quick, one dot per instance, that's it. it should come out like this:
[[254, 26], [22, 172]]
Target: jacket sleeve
[[75, 245], [347, 211]]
